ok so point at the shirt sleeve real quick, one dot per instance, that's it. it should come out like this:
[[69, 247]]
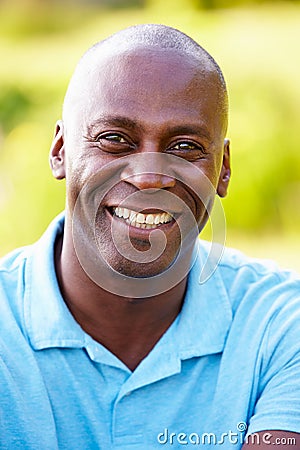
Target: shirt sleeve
[[278, 401]]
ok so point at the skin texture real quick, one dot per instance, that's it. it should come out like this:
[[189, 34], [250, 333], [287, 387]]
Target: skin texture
[[160, 101]]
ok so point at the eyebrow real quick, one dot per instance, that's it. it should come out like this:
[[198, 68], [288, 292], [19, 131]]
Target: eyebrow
[[199, 130], [125, 122], [116, 121]]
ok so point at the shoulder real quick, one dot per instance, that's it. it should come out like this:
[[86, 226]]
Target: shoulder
[[265, 302], [24, 273], [252, 280], [14, 267], [12, 290], [12, 260], [12, 270], [233, 263]]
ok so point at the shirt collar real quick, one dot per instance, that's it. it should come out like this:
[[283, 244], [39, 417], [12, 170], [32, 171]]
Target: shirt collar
[[48, 321], [200, 329], [206, 315]]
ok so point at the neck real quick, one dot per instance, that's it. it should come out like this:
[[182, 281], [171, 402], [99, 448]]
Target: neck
[[128, 327]]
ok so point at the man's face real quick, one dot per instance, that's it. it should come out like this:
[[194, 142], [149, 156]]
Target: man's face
[[149, 103]]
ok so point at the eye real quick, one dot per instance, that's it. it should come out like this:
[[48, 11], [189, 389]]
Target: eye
[[112, 137], [114, 142], [187, 149], [184, 146]]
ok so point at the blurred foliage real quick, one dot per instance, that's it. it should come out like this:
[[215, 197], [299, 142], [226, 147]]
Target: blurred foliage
[[15, 105], [257, 48]]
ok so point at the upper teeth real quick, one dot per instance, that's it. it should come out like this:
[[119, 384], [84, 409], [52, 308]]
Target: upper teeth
[[142, 220]]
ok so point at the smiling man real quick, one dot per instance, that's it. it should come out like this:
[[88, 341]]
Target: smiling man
[[109, 338]]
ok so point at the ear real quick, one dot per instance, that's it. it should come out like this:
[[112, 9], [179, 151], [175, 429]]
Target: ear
[[57, 152], [225, 171]]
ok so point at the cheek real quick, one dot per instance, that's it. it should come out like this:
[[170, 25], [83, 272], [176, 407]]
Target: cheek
[[75, 180], [79, 169], [203, 197]]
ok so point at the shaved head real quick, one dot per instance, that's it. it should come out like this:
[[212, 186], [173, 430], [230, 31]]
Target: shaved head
[[160, 36], [152, 37]]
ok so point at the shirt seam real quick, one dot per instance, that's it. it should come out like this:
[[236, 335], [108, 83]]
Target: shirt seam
[[12, 269], [249, 265]]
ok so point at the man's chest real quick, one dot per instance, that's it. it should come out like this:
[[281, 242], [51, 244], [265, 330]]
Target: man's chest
[[97, 406]]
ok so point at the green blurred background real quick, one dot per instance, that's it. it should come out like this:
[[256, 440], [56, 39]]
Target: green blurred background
[[256, 44]]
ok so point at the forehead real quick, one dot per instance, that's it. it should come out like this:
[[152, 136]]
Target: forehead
[[164, 72], [147, 84], [144, 65]]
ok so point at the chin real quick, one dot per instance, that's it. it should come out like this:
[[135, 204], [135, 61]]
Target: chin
[[139, 269]]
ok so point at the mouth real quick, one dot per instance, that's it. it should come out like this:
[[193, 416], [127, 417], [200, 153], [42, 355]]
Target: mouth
[[145, 220]]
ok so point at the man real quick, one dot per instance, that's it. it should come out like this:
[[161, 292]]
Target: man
[[108, 338]]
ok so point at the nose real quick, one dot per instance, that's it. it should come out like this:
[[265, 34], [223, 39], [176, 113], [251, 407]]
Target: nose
[[150, 181], [148, 171]]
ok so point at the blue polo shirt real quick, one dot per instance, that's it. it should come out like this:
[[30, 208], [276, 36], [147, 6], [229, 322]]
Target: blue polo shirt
[[228, 365]]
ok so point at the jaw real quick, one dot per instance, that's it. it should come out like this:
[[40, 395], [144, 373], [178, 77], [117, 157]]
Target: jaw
[[112, 266]]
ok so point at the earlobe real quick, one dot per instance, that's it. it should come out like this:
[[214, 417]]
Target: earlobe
[[57, 153], [225, 171]]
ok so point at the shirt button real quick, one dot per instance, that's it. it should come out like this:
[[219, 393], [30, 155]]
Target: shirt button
[[128, 393]]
